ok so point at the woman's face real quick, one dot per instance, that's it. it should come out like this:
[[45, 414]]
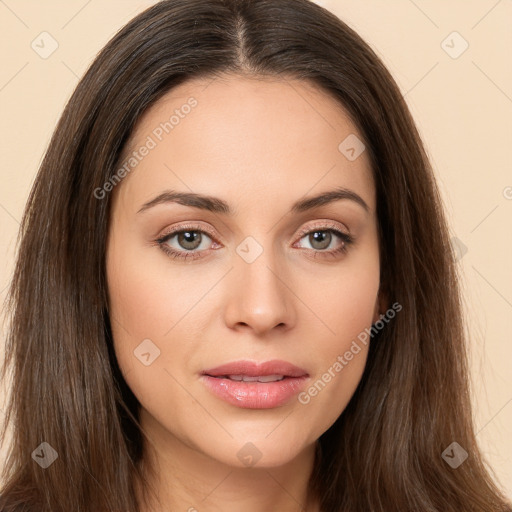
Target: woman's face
[[237, 334]]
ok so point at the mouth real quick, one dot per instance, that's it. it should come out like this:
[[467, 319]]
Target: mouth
[[251, 385], [247, 378]]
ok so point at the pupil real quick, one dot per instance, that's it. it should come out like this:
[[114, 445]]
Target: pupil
[[188, 239], [321, 236]]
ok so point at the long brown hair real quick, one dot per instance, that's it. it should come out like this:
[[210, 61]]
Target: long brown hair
[[384, 453]]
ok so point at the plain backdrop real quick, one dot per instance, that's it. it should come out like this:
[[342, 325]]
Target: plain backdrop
[[451, 60]]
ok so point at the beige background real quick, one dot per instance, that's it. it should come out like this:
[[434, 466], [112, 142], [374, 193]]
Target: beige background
[[463, 108]]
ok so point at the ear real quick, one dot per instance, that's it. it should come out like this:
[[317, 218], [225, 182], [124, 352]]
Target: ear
[[381, 304]]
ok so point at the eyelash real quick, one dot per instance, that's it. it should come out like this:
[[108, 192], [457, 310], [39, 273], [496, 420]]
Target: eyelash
[[346, 239]]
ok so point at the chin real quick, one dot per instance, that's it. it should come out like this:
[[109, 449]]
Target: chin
[[263, 449]]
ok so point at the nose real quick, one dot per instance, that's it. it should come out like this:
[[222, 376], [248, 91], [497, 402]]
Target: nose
[[260, 297]]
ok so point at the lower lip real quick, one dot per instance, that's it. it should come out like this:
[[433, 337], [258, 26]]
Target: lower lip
[[254, 395]]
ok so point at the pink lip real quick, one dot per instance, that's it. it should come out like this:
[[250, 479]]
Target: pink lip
[[255, 395]]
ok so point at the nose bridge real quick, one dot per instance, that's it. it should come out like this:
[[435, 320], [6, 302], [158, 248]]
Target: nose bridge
[[260, 297]]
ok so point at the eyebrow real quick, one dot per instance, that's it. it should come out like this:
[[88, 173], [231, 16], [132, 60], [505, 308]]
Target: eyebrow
[[217, 205]]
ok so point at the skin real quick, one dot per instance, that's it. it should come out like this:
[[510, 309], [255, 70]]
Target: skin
[[260, 145]]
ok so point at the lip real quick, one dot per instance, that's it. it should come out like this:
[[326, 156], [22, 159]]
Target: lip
[[255, 395]]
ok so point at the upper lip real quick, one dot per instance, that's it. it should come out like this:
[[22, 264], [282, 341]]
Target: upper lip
[[256, 369]]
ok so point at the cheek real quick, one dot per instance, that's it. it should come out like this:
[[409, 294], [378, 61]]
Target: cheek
[[154, 311], [343, 300], [345, 304], [146, 301], [340, 363], [143, 314], [137, 300]]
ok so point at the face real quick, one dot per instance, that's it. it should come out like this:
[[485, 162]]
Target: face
[[234, 316]]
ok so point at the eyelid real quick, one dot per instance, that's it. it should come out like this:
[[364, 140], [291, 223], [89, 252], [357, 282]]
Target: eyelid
[[183, 227], [324, 226]]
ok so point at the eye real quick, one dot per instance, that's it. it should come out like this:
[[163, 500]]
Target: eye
[[189, 242], [322, 237]]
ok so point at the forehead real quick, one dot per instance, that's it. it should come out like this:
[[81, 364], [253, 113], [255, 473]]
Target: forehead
[[250, 136]]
